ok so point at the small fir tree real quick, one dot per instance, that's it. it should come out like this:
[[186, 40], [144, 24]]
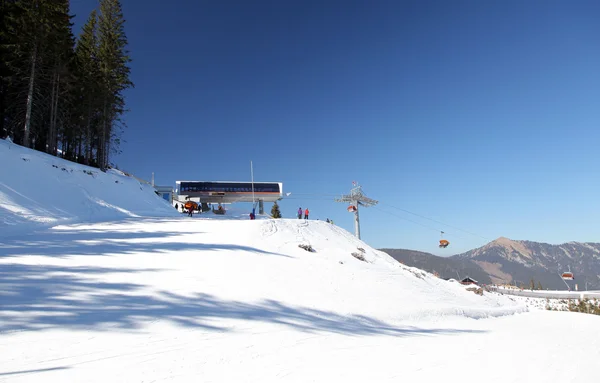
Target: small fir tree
[[275, 212]]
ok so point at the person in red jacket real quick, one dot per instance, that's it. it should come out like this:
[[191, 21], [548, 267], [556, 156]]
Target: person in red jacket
[[306, 213]]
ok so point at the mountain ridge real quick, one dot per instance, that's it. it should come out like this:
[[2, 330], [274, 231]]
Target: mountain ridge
[[518, 262]]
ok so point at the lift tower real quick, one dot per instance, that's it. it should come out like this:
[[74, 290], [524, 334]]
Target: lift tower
[[356, 198]]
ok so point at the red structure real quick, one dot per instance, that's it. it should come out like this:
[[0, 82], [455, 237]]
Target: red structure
[[468, 281]]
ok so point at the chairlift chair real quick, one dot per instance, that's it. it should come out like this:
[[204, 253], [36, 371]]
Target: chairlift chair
[[568, 276], [443, 243]]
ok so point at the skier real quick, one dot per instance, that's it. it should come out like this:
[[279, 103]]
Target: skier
[[306, 213], [299, 213]]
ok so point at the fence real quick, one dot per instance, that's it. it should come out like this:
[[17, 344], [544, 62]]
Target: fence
[[552, 294]]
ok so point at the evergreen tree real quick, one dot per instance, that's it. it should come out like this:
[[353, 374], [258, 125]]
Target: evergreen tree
[[275, 212], [60, 62], [54, 95], [539, 285], [532, 284], [6, 74], [36, 43], [89, 89], [114, 71]]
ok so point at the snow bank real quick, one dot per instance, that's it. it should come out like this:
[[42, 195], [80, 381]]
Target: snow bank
[[40, 190]]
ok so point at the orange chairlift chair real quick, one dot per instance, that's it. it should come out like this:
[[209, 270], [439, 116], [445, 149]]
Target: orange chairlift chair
[[443, 243]]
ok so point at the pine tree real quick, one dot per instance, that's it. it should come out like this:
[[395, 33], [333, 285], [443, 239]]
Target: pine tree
[[54, 95], [36, 38], [532, 284], [539, 285], [114, 70], [89, 84], [6, 74], [60, 63], [275, 212]]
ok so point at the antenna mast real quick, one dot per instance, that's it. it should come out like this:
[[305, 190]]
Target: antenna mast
[[356, 198], [252, 176]]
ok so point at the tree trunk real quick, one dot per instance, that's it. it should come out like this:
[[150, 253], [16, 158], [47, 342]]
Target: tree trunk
[[54, 136], [88, 136], [79, 150], [52, 112], [102, 138], [30, 98]]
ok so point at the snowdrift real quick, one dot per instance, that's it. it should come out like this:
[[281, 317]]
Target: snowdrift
[[38, 190]]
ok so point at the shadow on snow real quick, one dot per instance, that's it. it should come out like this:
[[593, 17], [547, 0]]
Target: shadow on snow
[[38, 370], [42, 297], [63, 243], [38, 297]]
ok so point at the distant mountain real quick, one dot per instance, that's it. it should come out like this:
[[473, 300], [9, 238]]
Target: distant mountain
[[444, 266], [510, 261]]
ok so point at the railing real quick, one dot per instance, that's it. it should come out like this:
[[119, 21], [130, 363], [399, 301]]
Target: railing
[[552, 294]]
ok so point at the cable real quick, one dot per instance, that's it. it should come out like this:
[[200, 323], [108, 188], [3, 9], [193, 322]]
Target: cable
[[319, 194], [395, 207], [308, 199], [406, 219], [419, 223], [433, 220]]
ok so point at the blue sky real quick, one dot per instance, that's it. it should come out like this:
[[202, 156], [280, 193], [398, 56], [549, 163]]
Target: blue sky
[[481, 115]]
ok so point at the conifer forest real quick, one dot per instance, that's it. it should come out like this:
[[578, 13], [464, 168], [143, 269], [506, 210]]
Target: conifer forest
[[60, 93]]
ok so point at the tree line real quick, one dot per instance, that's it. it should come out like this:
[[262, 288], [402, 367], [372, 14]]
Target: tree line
[[60, 94]]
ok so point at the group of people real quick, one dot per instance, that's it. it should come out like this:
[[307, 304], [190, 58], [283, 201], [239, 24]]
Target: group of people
[[300, 213], [190, 211], [253, 214]]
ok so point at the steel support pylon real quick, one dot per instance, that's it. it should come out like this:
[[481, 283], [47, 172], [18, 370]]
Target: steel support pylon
[[356, 198]]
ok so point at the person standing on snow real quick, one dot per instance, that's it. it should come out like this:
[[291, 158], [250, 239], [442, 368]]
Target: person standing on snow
[[299, 213], [306, 213]]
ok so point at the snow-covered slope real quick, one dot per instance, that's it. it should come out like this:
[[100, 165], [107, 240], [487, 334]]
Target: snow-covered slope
[[142, 293], [37, 189]]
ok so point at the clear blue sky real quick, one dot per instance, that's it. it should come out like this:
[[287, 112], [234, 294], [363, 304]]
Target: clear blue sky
[[483, 115]]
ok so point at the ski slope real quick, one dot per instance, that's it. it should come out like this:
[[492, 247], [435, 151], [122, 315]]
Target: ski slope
[[39, 190], [129, 290]]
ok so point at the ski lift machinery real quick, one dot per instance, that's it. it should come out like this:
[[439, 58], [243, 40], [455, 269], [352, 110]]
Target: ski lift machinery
[[191, 205], [355, 199]]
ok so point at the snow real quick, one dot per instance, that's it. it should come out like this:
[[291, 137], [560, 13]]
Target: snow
[[103, 281], [37, 189]]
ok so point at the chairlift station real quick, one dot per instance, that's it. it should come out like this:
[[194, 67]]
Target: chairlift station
[[230, 192]]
